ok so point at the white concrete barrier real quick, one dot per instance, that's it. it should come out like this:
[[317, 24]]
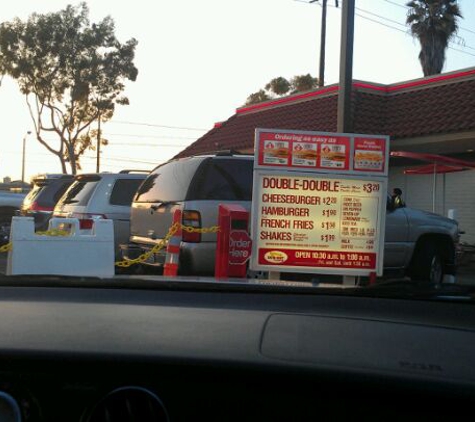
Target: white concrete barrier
[[88, 253]]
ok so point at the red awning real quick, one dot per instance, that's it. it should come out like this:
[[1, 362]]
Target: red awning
[[434, 168], [439, 163]]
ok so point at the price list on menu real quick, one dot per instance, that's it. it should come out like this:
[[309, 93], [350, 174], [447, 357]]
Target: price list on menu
[[325, 222]]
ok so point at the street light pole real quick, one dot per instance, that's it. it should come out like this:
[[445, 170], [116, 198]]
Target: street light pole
[[98, 157], [23, 157]]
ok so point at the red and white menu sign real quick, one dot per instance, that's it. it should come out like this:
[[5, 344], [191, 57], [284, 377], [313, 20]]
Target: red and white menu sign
[[324, 152], [313, 209], [370, 154]]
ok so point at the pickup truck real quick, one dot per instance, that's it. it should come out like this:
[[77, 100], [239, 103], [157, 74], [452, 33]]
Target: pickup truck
[[421, 244], [10, 203]]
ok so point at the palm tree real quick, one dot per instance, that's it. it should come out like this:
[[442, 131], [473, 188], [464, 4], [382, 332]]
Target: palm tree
[[434, 24]]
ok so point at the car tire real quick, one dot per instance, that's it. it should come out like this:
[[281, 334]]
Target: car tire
[[428, 265]]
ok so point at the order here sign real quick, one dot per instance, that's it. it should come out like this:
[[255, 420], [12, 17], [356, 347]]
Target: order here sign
[[319, 202]]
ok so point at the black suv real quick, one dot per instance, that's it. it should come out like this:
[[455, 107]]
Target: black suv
[[46, 191]]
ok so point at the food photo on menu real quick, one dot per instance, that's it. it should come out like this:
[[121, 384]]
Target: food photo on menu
[[368, 159], [304, 154], [276, 152], [333, 156]]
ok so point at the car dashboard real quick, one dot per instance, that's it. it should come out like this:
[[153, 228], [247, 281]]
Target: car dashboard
[[151, 350]]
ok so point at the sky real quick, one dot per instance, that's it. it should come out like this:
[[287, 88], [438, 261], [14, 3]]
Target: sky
[[199, 60]]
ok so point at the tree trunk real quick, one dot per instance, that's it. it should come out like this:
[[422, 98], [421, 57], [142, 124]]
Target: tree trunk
[[72, 164], [72, 159], [64, 170]]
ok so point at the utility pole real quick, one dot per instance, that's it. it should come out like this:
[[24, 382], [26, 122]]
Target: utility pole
[[323, 37], [23, 158], [344, 117], [98, 157]]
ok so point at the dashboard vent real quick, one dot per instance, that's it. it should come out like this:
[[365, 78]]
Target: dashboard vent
[[129, 404]]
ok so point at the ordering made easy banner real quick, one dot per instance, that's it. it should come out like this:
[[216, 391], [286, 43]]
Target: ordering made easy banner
[[327, 217], [322, 152]]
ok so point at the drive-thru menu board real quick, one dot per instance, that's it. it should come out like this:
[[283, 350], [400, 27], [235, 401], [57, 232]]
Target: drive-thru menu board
[[314, 210]]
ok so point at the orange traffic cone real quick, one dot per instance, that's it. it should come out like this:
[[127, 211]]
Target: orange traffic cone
[[170, 267]]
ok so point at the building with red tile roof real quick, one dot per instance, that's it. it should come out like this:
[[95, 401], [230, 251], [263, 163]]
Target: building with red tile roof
[[434, 115]]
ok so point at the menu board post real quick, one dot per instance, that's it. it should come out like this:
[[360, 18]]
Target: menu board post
[[315, 209]]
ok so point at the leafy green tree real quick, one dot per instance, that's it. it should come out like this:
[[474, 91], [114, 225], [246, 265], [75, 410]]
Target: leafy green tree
[[72, 74], [434, 24], [280, 86], [257, 97], [303, 83]]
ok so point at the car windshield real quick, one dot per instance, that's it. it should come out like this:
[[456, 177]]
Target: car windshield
[[333, 151], [237, 210]]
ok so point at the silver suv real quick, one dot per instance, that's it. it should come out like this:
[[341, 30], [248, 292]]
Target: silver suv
[[196, 185], [101, 195], [419, 244]]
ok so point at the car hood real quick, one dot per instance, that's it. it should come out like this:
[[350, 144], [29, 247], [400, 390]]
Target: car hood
[[426, 217]]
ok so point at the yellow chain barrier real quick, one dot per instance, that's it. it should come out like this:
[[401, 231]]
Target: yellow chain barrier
[[142, 258], [159, 246], [5, 248], [54, 232]]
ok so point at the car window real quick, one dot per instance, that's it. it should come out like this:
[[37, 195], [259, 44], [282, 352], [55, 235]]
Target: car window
[[124, 191], [61, 188], [168, 182], [223, 179], [80, 192], [34, 192]]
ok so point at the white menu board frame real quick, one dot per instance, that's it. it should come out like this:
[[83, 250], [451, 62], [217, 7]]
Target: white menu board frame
[[289, 227]]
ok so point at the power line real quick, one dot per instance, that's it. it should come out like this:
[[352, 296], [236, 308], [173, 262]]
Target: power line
[[123, 159], [405, 7], [147, 145], [398, 23], [112, 166], [134, 144], [85, 157], [121, 122], [148, 136], [406, 32], [396, 4], [381, 23], [379, 16]]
